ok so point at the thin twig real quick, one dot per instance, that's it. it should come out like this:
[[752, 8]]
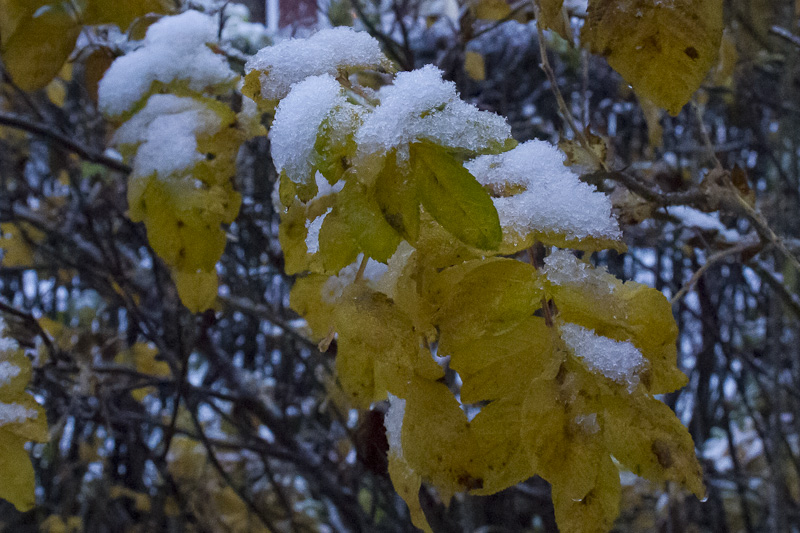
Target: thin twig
[[741, 247], [42, 130], [783, 33]]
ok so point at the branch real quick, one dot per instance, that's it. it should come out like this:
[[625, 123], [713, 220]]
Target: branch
[[42, 130], [783, 33], [746, 245]]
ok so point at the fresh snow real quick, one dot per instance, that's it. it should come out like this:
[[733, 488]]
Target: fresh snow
[[313, 227], [563, 268], [422, 106], [693, 218], [536, 192], [393, 422], [174, 49], [8, 371], [298, 119], [619, 361], [334, 286], [166, 131], [329, 51], [14, 413]]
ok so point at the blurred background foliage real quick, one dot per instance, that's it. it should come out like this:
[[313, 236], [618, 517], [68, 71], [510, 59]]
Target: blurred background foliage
[[161, 420]]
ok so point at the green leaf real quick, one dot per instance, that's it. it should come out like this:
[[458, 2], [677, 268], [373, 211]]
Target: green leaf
[[337, 247], [396, 193], [367, 225], [455, 198]]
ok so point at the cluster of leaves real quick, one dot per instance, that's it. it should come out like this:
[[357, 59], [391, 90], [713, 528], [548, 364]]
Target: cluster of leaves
[[446, 292], [37, 36], [182, 202], [663, 49], [524, 393]]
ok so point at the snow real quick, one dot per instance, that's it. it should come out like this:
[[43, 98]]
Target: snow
[[7, 344], [298, 119], [692, 218], [536, 192], [563, 268], [329, 51], [334, 286], [166, 131], [619, 361], [174, 49], [238, 27], [393, 422], [313, 227], [14, 413], [420, 105], [8, 371]]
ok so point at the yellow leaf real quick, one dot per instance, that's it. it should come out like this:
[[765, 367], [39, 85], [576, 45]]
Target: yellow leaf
[[647, 438], [407, 484], [15, 241], [144, 358], [123, 13], [436, 439], [197, 290], [475, 66], [15, 12], [18, 477], [552, 17], [38, 48], [663, 49], [378, 349], [141, 500], [502, 456], [57, 92], [632, 312], [21, 420], [490, 9], [306, 299]]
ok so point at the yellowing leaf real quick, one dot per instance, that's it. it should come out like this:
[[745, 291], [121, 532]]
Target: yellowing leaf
[[624, 312], [367, 225], [647, 438], [21, 420], [475, 66], [56, 92], [436, 439], [15, 242], [38, 48], [552, 17], [19, 481], [455, 198], [123, 13], [491, 9], [378, 350], [197, 290], [407, 484], [663, 49], [397, 196], [307, 300], [144, 358], [15, 12]]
